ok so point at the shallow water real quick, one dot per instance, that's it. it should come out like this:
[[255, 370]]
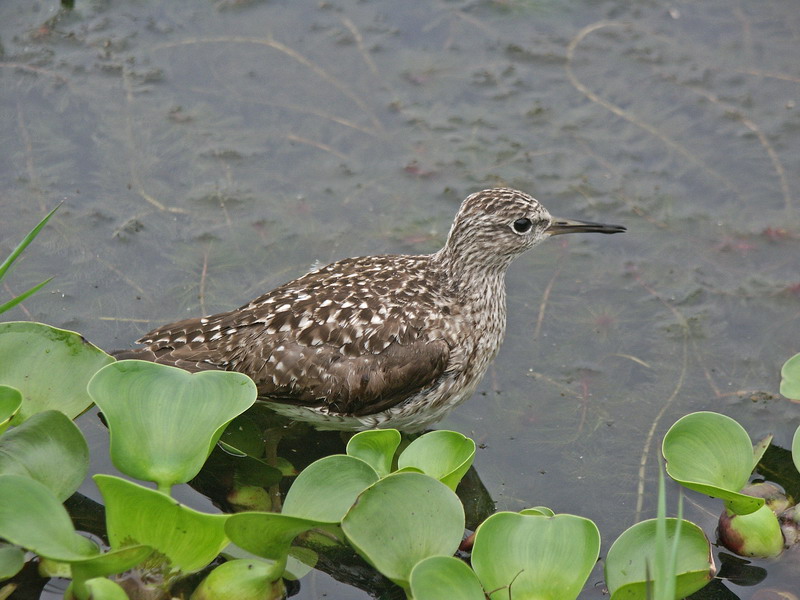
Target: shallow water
[[207, 152]]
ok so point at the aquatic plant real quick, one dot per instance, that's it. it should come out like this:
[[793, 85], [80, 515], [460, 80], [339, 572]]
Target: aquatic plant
[[9, 261]]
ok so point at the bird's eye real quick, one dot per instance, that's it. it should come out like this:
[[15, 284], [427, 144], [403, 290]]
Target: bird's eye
[[522, 225]]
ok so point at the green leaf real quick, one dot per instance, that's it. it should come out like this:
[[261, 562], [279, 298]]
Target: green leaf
[[6, 264], [12, 559], [32, 517], [440, 577], [101, 588], [10, 403], [755, 534], [712, 454], [49, 366], [164, 421], [269, 535], [108, 563], [245, 436], [796, 449], [326, 489], [301, 561], [630, 560], [23, 296], [759, 449], [376, 448], [444, 455], [135, 514], [47, 447], [790, 378], [403, 519], [242, 580], [541, 511], [547, 558]]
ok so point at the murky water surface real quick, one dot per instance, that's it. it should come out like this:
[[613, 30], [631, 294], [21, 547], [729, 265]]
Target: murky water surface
[[206, 152]]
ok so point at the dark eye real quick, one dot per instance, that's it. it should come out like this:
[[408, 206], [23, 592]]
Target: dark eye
[[522, 225]]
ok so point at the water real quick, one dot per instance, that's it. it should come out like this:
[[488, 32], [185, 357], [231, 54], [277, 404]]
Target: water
[[207, 152]]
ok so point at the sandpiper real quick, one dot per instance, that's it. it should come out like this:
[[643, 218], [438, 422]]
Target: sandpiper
[[376, 341]]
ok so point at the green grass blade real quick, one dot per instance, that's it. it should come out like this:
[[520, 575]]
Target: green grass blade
[[24, 243], [23, 296]]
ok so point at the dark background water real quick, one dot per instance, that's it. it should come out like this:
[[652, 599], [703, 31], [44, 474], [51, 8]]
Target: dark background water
[[206, 152]]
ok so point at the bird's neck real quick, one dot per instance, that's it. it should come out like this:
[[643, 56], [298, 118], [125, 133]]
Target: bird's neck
[[480, 291], [473, 281]]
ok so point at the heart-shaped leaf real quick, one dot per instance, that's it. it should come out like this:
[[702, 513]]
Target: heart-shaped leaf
[[629, 566], [326, 489], [547, 558], [32, 517], [403, 519], [712, 454], [47, 447], [243, 580], [49, 366], [165, 421], [439, 577], [444, 455], [100, 588], [375, 447]]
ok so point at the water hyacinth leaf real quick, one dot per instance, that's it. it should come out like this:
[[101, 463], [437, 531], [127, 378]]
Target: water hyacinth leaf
[[50, 367], [245, 436], [47, 447], [541, 511], [100, 588], [242, 579], [53, 568], [759, 448], [712, 454], [548, 558], [796, 449], [252, 471], [402, 519], [444, 455], [630, 560], [268, 535], [790, 378], [32, 517], [301, 561], [164, 421], [326, 489], [108, 563], [188, 538], [439, 577], [12, 559], [10, 403], [376, 448], [755, 534]]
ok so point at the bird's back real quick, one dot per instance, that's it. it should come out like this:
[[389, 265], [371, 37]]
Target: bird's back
[[354, 337]]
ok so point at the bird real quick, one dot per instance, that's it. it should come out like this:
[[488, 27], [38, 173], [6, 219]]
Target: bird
[[385, 341]]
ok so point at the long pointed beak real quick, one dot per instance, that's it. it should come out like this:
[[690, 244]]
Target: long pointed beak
[[559, 226]]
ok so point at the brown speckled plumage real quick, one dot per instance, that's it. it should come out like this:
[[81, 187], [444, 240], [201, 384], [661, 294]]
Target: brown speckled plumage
[[376, 341]]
